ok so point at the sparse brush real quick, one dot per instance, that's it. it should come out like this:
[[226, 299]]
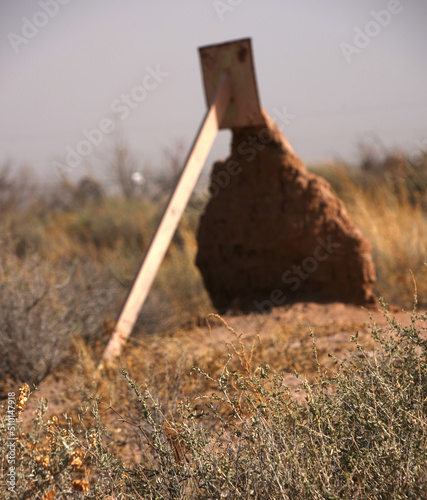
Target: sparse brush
[[233, 428], [42, 307], [360, 432], [64, 273]]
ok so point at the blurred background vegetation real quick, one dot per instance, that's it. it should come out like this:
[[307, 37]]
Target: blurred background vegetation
[[70, 252]]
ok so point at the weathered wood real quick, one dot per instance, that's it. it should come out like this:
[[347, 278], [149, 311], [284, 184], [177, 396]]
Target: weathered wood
[[245, 109]]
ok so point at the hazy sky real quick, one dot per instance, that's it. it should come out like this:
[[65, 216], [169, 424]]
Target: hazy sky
[[66, 68]]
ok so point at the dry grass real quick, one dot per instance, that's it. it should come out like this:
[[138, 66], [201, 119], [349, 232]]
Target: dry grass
[[394, 219], [397, 231], [64, 272], [239, 432], [76, 260]]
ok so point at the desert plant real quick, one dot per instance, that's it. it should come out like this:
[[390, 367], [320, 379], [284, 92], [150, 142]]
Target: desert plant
[[59, 457], [42, 307], [359, 433]]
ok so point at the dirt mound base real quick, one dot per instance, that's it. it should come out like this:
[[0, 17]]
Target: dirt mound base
[[274, 232]]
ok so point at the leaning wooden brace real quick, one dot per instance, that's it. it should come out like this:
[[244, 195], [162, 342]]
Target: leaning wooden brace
[[232, 97]]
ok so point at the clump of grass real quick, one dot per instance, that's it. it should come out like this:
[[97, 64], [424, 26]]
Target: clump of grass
[[397, 231], [360, 432]]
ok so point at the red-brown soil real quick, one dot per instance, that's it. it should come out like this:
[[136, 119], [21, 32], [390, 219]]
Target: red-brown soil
[[286, 330]]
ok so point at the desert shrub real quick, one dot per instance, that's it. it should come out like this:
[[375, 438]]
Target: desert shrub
[[360, 432], [55, 455], [65, 195], [23, 235], [43, 304], [397, 231], [76, 266]]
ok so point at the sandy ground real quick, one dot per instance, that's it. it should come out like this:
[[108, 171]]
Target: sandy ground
[[333, 324]]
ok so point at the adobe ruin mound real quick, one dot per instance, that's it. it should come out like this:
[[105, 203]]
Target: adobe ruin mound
[[273, 232]]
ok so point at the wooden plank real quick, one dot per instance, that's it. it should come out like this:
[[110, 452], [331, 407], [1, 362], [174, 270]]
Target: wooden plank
[[171, 217], [245, 109]]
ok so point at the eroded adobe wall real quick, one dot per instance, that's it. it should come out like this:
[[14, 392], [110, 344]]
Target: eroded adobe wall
[[273, 232]]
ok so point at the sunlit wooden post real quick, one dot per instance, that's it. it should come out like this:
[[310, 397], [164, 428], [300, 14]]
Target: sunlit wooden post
[[232, 98]]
